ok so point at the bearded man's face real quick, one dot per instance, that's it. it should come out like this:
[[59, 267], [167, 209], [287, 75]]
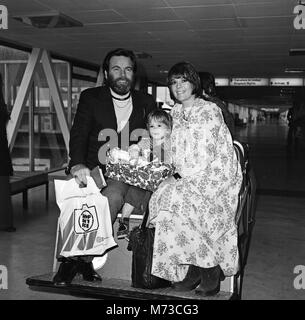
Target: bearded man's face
[[120, 75]]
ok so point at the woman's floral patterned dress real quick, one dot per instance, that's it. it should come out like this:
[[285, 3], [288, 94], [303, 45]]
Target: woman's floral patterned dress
[[194, 216]]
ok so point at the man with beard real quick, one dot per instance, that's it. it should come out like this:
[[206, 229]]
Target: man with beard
[[105, 118]]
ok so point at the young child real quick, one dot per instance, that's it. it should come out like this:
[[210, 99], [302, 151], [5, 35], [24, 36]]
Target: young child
[[156, 147]]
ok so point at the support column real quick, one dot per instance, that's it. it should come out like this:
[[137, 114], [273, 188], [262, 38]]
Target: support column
[[54, 90], [25, 87]]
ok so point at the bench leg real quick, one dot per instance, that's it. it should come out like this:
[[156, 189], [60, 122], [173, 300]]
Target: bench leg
[[25, 199], [47, 191]]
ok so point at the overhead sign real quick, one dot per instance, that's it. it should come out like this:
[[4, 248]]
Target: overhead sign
[[249, 82], [219, 82], [286, 82]]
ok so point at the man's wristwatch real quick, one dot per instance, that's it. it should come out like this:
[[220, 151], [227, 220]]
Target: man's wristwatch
[[177, 176]]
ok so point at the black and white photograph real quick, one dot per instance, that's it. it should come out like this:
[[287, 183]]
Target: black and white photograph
[[152, 150]]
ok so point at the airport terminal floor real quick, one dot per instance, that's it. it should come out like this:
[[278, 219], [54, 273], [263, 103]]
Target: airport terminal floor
[[278, 239]]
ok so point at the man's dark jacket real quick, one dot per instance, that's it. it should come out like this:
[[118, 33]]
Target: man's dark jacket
[[95, 112]]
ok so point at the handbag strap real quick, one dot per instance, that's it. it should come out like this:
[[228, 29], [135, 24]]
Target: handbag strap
[[145, 209], [144, 220]]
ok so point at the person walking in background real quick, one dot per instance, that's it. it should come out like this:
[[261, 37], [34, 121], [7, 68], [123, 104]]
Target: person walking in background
[[6, 170], [296, 122], [208, 85]]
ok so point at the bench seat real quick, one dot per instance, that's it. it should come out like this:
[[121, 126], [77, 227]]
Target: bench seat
[[22, 181]]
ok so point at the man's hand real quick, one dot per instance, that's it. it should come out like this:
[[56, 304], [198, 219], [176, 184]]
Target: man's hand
[[79, 172]]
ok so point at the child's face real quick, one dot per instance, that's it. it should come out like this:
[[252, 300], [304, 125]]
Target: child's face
[[158, 130]]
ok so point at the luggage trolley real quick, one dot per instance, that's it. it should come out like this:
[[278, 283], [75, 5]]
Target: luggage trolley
[[116, 270], [245, 214]]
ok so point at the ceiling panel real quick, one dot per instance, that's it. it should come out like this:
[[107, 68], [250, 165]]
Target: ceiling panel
[[266, 31], [275, 2], [219, 34], [162, 26], [16, 7], [184, 3], [97, 16], [187, 35], [205, 12], [267, 22], [120, 27], [73, 5], [275, 8], [143, 14], [135, 4], [267, 39], [208, 24], [114, 36]]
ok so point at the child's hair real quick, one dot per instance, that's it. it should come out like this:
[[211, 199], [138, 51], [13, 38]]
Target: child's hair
[[161, 116]]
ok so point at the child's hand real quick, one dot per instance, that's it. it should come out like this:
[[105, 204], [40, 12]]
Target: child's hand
[[112, 155], [134, 153], [117, 155]]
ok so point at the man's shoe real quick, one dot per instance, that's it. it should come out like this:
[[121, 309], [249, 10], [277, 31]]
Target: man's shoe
[[88, 272], [191, 280], [66, 273], [210, 281], [123, 229]]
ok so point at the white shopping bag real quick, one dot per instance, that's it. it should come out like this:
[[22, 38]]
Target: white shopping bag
[[84, 221]]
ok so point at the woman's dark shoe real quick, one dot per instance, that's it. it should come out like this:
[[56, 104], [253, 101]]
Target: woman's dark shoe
[[66, 273], [210, 281], [191, 280], [88, 272]]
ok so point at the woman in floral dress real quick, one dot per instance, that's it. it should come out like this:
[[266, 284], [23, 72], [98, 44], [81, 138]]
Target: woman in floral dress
[[193, 212]]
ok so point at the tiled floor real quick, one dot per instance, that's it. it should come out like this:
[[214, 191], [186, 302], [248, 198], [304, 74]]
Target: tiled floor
[[278, 242]]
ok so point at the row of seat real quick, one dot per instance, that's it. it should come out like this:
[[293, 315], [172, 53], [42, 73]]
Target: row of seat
[[22, 181]]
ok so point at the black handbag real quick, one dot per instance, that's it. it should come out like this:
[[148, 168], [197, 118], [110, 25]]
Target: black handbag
[[141, 241]]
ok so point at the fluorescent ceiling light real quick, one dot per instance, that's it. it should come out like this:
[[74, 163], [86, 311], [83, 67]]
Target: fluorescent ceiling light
[[48, 20], [297, 52], [143, 55], [294, 70]]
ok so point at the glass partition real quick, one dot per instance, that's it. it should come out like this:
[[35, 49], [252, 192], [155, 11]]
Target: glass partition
[[39, 143]]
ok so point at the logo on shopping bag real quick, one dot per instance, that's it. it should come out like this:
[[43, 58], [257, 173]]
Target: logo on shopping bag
[[85, 219]]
